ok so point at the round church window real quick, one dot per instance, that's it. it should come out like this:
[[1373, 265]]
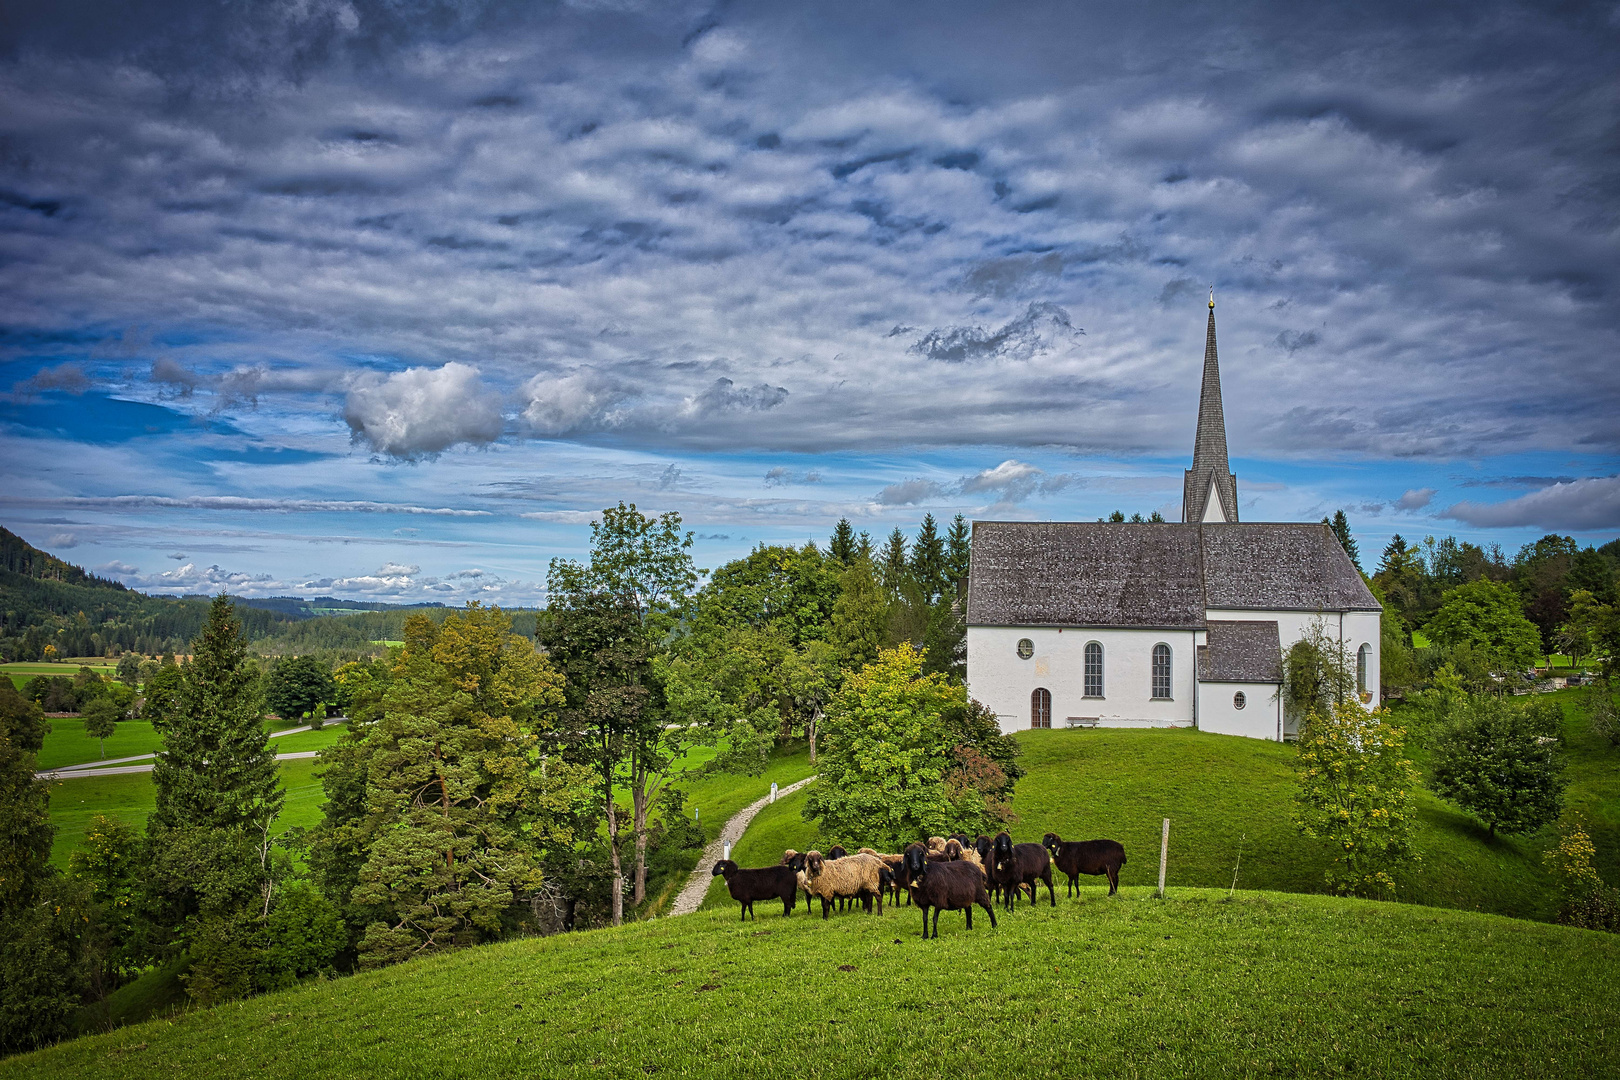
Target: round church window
[[1239, 700], [1026, 648]]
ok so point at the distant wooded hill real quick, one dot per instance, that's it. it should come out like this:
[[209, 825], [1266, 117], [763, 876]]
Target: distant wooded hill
[[47, 601]]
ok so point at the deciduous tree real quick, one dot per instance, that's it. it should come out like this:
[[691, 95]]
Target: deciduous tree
[[1356, 795], [1499, 760]]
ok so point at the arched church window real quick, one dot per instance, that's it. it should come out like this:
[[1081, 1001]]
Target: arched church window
[[1040, 708], [1361, 668], [1094, 669], [1161, 671], [1026, 648]]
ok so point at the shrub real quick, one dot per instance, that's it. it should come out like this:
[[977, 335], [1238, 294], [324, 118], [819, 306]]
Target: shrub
[[1499, 761], [1355, 794]]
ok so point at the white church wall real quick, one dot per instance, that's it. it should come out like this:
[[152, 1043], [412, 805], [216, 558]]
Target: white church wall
[[1353, 628], [1003, 681], [1260, 717]]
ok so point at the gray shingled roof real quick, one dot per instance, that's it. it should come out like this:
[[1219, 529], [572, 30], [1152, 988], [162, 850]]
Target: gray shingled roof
[[1151, 575], [1084, 574], [1281, 567], [1241, 652]]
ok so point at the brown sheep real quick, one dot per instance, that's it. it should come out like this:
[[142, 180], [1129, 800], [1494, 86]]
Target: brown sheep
[[945, 886], [854, 876]]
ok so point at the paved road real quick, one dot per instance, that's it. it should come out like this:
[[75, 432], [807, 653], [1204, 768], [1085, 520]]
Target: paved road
[[77, 773], [696, 888], [99, 768]]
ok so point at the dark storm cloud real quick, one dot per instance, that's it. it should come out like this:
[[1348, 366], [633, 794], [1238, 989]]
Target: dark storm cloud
[[342, 208]]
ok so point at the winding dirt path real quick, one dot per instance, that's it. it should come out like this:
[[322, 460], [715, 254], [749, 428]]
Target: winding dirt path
[[697, 886]]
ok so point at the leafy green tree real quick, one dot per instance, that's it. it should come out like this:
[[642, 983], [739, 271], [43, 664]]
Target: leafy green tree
[[1584, 627], [1117, 516], [1594, 574], [1355, 795], [842, 545], [297, 685], [958, 555], [1500, 762], [459, 806], [101, 718], [612, 699], [1318, 674], [40, 947], [642, 561], [634, 556], [860, 617], [928, 560], [1156, 518], [1487, 617], [904, 756], [162, 692], [110, 863], [129, 670], [359, 686]]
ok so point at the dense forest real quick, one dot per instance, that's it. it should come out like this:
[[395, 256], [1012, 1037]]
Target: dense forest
[[46, 603]]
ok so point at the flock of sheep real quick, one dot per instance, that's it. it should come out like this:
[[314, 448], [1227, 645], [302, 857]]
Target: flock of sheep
[[945, 874]]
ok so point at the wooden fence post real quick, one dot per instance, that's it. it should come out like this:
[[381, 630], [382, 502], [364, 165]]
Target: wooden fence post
[[1164, 855]]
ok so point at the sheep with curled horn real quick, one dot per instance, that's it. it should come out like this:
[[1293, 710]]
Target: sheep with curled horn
[[1019, 866], [855, 876], [945, 886]]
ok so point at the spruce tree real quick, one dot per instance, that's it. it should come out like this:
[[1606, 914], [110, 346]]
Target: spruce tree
[[928, 559], [842, 544], [958, 552], [892, 561], [1341, 529], [216, 769], [863, 546]]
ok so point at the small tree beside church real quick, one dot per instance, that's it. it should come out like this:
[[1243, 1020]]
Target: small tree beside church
[[1355, 795]]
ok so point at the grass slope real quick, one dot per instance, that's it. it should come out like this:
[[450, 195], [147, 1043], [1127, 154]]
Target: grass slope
[[1192, 986], [1219, 790]]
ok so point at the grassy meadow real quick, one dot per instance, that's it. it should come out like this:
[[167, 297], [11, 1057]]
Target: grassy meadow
[[1192, 986], [1222, 792], [20, 672]]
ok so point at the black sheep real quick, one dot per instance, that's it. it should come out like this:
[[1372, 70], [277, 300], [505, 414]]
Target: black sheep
[[1015, 866], [945, 886], [1093, 857], [767, 883]]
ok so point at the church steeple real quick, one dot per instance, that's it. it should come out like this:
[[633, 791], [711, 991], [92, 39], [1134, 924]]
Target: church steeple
[[1209, 490]]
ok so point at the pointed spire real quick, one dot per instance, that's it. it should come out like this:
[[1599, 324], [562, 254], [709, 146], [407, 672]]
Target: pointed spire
[[1210, 476]]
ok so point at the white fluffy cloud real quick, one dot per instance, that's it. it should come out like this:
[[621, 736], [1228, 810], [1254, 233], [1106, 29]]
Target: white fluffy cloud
[[1415, 499], [419, 412]]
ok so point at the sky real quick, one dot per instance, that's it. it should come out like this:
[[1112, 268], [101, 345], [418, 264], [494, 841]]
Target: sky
[[384, 300]]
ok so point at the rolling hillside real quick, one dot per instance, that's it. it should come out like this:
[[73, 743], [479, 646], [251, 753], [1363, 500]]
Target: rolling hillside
[[1193, 986], [1221, 791]]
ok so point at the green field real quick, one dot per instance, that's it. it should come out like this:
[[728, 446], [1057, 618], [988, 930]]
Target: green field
[[1193, 986], [1219, 791], [129, 798], [20, 673]]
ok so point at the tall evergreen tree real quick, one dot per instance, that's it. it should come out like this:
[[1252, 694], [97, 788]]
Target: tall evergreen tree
[[1341, 529], [216, 768], [842, 544], [958, 552], [928, 559], [892, 561], [863, 545]]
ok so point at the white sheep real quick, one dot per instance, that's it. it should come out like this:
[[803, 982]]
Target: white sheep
[[854, 876]]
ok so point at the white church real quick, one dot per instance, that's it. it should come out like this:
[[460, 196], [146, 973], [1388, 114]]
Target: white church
[[1111, 624]]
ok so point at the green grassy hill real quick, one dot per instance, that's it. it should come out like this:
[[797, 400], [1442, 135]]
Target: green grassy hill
[[1192, 986], [1219, 791]]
